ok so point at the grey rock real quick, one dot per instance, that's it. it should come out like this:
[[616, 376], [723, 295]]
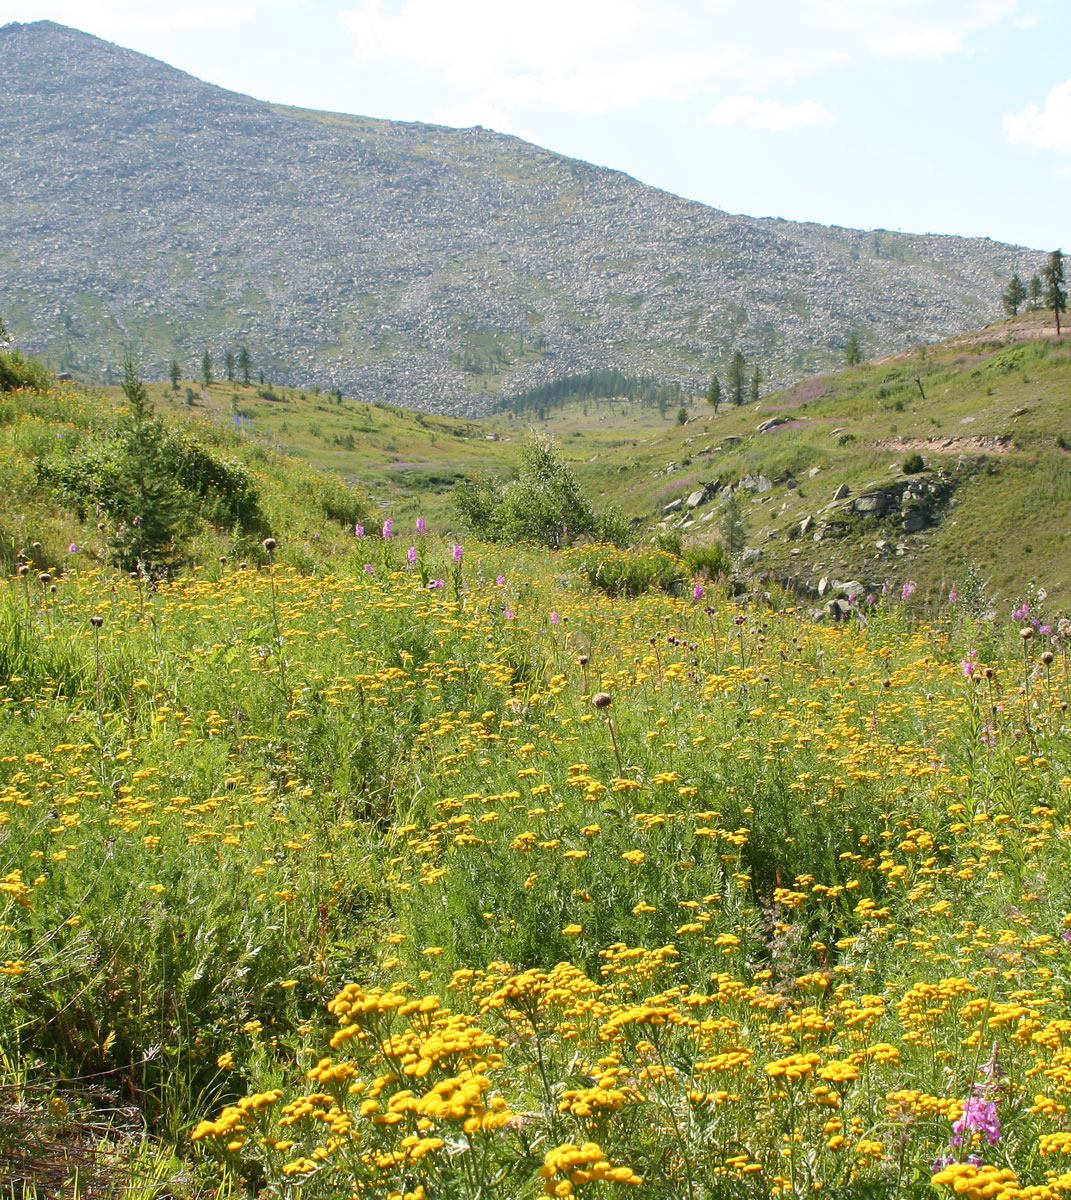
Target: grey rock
[[694, 499], [674, 505], [842, 492], [751, 555], [823, 585], [914, 520], [771, 423], [806, 525], [872, 503]]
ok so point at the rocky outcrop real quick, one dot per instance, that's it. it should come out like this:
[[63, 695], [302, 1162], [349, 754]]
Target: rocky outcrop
[[408, 263]]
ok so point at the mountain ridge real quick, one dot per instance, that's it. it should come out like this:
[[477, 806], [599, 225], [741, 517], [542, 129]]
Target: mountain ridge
[[413, 263]]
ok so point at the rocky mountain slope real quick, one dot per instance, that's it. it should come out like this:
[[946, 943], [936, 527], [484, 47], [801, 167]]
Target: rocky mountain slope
[[151, 212]]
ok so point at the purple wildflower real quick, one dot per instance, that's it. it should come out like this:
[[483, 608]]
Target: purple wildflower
[[369, 569], [554, 618], [411, 555], [458, 552], [358, 530], [437, 583], [908, 590], [509, 614], [979, 1116], [72, 548], [500, 580], [421, 525], [953, 596], [1021, 611], [388, 528], [697, 592]]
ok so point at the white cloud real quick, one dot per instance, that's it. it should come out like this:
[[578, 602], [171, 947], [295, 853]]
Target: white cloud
[[598, 56], [769, 115], [1045, 127]]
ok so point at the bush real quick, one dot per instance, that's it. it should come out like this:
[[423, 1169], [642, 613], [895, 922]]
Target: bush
[[913, 464], [19, 372], [710, 560], [542, 506], [619, 572]]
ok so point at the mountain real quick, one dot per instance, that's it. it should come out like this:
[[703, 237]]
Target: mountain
[[152, 213]]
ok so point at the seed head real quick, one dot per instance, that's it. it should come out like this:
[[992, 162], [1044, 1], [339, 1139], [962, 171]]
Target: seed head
[[1047, 657], [583, 660], [602, 700], [96, 621], [269, 544], [1026, 633]]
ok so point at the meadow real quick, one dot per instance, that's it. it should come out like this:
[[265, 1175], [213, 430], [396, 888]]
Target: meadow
[[447, 875]]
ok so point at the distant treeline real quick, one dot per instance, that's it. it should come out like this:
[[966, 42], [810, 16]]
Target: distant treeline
[[607, 383]]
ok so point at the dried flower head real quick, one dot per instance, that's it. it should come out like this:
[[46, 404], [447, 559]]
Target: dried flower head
[[602, 700], [269, 544]]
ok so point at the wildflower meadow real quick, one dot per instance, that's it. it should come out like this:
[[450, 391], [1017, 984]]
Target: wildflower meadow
[[446, 872]]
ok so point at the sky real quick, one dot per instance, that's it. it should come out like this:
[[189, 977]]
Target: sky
[[927, 116]]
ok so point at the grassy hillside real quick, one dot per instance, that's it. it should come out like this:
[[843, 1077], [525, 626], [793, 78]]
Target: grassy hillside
[[987, 412]]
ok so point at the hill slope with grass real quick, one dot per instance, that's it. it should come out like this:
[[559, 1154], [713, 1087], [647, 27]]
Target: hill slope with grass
[[424, 266], [987, 413]]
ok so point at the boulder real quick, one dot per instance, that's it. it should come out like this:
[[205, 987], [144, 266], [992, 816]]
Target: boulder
[[823, 585], [851, 587], [696, 498], [872, 503], [771, 423], [806, 525], [914, 520], [842, 492], [751, 555], [673, 505]]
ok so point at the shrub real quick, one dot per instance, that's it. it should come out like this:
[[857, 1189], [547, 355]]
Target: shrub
[[913, 464], [710, 560], [19, 372], [621, 572]]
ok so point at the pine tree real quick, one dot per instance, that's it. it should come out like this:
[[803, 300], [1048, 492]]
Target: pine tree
[[4, 335], [175, 373], [714, 393], [1035, 292], [853, 353], [245, 364], [228, 365], [733, 529], [1055, 292], [756, 379], [154, 513], [737, 371], [1013, 296], [206, 369]]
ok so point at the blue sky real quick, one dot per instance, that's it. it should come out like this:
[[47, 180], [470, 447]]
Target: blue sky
[[940, 116]]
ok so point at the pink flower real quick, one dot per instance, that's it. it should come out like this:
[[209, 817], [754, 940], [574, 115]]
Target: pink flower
[[358, 530], [388, 527], [72, 548], [501, 580], [554, 618], [369, 569], [458, 552], [411, 555], [437, 583], [697, 592], [421, 525]]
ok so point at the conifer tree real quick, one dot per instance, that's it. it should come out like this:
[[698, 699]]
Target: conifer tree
[[756, 379], [853, 353], [1035, 292], [206, 369], [737, 370], [1055, 292], [714, 393], [245, 364], [1013, 296], [228, 365], [174, 372]]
